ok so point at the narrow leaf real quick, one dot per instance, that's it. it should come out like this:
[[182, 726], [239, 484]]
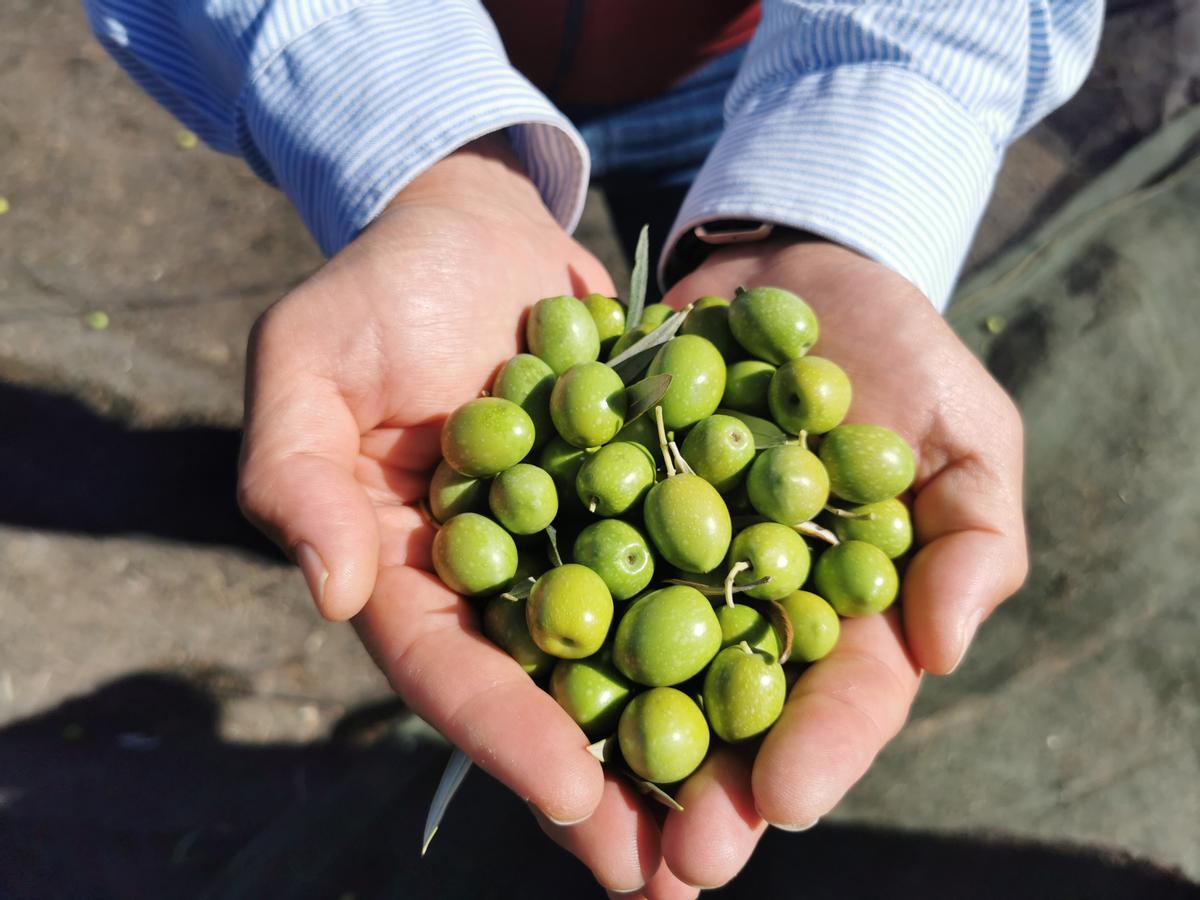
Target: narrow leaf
[[813, 530], [520, 590], [766, 433], [637, 280], [630, 363], [605, 749], [649, 787], [452, 779], [642, 396], [718, 590], [555, 556], [777, 616]]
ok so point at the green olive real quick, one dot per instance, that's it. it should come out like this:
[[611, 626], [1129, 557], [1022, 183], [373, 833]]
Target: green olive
[[698, 379], [719, 449], [592, 692], [815, 625], [615, 478], [569, 612], [663, 735], [772, 324], [810, 394], [560, 331], [856, 578], [788, 484], [618, 553], [666, 636], [867, 463], [643, 431], [486, 436], [523, 499], [474, 556], [743, 694], [451, 493], [709, 318], [774, 551], [747, 382], [504, 624], [588, 404], [527, 381], [609, 316], [688, 523], [885, 524], [743, 623]]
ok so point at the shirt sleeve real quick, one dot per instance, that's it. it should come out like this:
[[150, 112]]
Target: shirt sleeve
[[881, 125], [341, 103]]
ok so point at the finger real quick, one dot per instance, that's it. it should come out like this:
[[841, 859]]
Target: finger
[[296, 483], [663, 885], [405, 537], [712, 839], [970, 528], [838, 717], [424, 639], [618, 842]]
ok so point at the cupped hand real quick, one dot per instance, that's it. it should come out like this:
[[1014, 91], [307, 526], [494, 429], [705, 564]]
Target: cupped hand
[[912, 374]]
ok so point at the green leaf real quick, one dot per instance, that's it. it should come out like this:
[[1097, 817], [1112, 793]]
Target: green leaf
[[555, 556], [718, 590], [452, 779], [637, 280], [642, 396], [649, 787], [779, 620], [520, 589], [766, 433], [633, 360]]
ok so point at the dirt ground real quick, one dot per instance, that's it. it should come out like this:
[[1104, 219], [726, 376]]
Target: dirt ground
[[174, 717]]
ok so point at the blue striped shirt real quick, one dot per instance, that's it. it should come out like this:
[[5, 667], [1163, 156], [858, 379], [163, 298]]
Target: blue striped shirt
[[879, 125]]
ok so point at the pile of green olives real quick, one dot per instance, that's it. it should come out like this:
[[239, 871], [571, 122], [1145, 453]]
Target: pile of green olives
[[655, 551]]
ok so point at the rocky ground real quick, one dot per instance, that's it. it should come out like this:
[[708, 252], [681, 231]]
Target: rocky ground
[[173, 715]]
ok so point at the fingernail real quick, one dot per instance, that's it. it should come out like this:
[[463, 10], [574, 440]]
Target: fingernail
[[566, 824], [966, 633], [314, 571], [796, 829]]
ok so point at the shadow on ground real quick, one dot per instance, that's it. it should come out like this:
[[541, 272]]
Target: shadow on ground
[[130, 792], [63, 467]]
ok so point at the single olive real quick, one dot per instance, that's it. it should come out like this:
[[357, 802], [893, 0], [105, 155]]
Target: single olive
[[709, 318], [474, 556], [688, 523], [523, 499], [527, 381], [643, 431], [815, 625], [666, 636], [615, 478], [451, 493], [592, 692], [588, 404], [743, 694], [885, 524], [719, 449], [743, 623], [772, 324], [788, 484], [809, 394], [856, 578], [560, 331], [504, 623], [774, 551], [569, 611], [698, 380], [618, 553], [609, 316], [486, 435], [663, 735], [867, 463], [747, 382]]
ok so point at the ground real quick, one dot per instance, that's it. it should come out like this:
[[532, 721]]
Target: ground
[[173, 714]]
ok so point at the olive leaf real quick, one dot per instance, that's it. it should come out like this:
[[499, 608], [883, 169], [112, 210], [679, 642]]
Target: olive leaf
[[555, 556], [718, 590], [637, 280], [777, 616], [519, 590], [766, 433], [649, 787], [631, 362], [642, 396], [604, 749], [452, 779]]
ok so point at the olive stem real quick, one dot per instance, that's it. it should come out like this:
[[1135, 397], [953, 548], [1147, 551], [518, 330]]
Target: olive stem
[[662, 441], [746, 648], [812, 529], [680, 462], [846, 514], [736, 569], [592, 505], [800, 441]]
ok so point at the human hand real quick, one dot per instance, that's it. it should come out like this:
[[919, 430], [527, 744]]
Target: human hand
[[911, 373]]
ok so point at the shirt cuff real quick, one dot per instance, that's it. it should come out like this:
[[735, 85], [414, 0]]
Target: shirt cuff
[[874, 157], [346, 115]]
